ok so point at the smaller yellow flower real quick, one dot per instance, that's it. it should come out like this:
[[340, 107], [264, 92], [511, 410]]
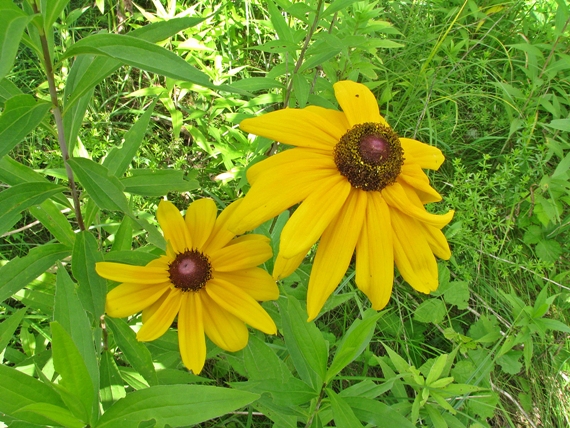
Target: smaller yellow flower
[[208, 278]]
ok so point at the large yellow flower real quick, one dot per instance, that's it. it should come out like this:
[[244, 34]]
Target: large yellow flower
[[208, 278], [361, 186]]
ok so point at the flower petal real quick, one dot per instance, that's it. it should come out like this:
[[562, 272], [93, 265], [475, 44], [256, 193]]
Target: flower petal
[[424, 155], [220, 234], [295, 127], [243, 254], [173, 226], [200, 219], [149, 311], [284, 267], [395, 195], [311, 218], [437, 241], [162, 319], [242, 305], [224, 329], [128, 299], [273, 194], [291, 161], [358, 103], [414, 176], [191, 339], [412, 254], [337, 123], [254, 281], [335, 251], [375, 253], [132, 274]]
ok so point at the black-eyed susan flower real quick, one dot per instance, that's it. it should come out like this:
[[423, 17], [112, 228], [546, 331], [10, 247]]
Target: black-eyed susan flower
[[208, 277], [362, 188]]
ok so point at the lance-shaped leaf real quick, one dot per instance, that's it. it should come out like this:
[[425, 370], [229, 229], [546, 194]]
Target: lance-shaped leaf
[[19, 390], [9, 326], [377, 413], [92, 288], [51, 9], [105, 189], [20, 116], [58, 414], [19, 272], [12, 26], [157, 183], [53, 220], [112, 385], [343, 415], [139, 53], [176, 405]]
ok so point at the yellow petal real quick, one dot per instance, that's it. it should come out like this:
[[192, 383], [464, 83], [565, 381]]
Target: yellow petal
[[242, 305], [254, 281], [132, 274], [358, 103], [310, 219], [395, 195], [375, 253], [424, 155], [437, 241], [224, 329], [291, 161], [335, 251], [162, 319], [414, 176], [128, 299], [274, 193], [244, 254], [412, 254], [200, 219], [173, 226], [220, 234], [149, 311], [284, 267], [295, 127], [337, 123], [191, 339], [162, 262]]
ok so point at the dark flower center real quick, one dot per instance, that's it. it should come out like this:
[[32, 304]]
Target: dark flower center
[[370, 156], [190, 271]]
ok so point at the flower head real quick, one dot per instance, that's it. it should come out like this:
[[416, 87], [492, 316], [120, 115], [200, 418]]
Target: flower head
[[208, 278], [362, 188]]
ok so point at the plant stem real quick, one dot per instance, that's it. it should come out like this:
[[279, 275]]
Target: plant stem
[[59, 123]]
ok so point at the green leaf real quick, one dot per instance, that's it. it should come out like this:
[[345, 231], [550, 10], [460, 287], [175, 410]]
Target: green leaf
[[21, 115], [289, 393], [105, 189], [253, 84], [51, 9], [354, 342], [533, 235], [279, 24], [9, 326], [92, 72], [560, 124], [17, 198], [377, 413], [432, 310], [19, 390], [145, 182], [139, 53], [549, 250], [7, 88], [436, 369], [510, 363], [53, 220], [135, 352], [12, 26], [58, 414], [112, 385], [304, 342], [545, 323], [337, 5], [71, 315], [119, 159], [123, 238], [176, 405], [262, 363], [401, 365], [75, 379], [92, 288], [19, 272], [343, 415]]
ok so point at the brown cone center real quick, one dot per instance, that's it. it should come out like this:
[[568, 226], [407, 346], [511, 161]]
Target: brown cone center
[[190, 271], [374, 148]]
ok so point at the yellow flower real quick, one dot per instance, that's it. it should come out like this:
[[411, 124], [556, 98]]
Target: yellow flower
[[362, 188], [208, 278]]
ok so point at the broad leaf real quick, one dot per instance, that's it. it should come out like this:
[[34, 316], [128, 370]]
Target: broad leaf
[[20, 116], [53, 220], [51, 9], [145, 182], [12, 26], [9, 326], [58, 414], [262, 363], [176, 405], [377, 413], [343, 415], [112, 385]]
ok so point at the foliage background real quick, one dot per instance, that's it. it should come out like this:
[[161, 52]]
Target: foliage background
[[487, 82]]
